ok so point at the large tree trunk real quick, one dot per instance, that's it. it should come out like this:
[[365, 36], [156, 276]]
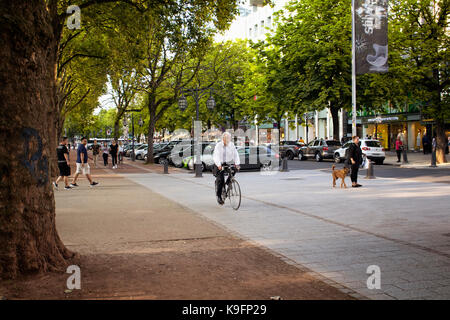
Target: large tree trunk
[[28, 237], [335, 117], [151, 133], [116, 129], [441, 142]]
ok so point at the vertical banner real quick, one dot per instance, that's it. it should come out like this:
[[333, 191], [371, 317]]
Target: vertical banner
[[371, 40]]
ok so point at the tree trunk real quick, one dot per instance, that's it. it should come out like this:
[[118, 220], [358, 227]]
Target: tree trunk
[[28, 237], [335, 117], [441, 142], [151, 132], [116, 129]]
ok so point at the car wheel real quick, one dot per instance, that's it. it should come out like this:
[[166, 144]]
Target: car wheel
[[337, 158], [300, 156], [318, 157], [138, 157], [290, 155]]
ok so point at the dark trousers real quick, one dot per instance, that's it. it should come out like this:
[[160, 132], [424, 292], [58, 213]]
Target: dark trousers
[[114, 159], [105, 159], [354, 174], [220, 181], [399, 155]]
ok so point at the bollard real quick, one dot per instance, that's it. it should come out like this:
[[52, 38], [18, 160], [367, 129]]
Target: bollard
[[405, 157], [433, 158], [166, 166], [370, 174], [284, 165]]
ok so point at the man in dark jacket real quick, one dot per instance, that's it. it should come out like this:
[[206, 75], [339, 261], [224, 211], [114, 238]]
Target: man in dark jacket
[[354, 160]]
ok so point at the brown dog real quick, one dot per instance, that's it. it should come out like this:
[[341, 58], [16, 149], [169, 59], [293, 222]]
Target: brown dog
[[339, 174]]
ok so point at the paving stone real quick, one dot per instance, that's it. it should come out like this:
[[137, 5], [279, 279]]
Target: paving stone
[[338, 242]]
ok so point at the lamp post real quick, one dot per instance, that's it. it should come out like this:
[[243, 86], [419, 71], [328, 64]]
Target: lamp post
[[197, 94]]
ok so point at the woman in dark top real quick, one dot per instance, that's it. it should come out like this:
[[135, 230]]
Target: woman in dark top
[[114, 149], [354, 160]]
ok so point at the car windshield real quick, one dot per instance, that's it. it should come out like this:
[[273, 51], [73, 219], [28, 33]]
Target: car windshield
[[333, 143], [373, 144]]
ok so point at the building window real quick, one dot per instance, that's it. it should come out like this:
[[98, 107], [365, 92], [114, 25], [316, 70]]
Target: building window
[[269, 22], [254, 8], [250, 32], [262, 27], [256, 30]]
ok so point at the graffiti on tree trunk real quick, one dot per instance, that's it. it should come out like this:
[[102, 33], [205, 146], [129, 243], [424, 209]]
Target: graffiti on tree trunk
[[32, 158]]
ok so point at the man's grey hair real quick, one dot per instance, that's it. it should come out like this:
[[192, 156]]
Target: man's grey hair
[[226, 134]]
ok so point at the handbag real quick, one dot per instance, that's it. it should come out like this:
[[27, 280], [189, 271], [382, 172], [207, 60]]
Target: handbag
[[364, 163]]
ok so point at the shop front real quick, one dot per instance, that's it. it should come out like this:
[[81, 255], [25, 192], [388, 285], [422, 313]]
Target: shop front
[[386, 129]]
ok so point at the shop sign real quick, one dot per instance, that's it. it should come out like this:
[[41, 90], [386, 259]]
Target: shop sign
[[380, 120]]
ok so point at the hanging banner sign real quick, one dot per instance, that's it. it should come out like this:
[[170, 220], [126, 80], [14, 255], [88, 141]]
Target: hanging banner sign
[[371, 40]]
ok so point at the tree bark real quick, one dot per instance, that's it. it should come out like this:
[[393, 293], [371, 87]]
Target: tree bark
[[116, 128], [28, 237], [151, 130], [441, 142], [335, 117]]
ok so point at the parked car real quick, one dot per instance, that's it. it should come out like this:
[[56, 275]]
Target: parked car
[[290, 149], [140, 152], [371, 148], [161, 149], [136, 147], [251, 157], [182, 151], [319, 149]]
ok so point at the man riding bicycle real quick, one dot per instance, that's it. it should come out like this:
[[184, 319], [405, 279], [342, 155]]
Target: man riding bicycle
[[225, 153]]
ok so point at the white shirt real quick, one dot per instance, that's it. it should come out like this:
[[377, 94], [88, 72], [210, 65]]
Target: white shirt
[[226, 154]]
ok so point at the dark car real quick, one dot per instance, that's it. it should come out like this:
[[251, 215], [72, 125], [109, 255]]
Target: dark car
[[319, 149], [252, 157], [183, 150], [290, 149]]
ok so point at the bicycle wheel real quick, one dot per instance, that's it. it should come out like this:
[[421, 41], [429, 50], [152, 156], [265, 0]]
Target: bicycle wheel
[[234, 193]]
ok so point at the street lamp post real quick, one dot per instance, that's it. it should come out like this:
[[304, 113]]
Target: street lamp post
[[197, 94]]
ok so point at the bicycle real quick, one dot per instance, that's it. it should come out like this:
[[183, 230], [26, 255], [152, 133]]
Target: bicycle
[[231, 188]]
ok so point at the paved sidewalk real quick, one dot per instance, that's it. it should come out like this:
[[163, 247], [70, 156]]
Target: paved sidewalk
[[402, 226], [415, 160], [137, 244]]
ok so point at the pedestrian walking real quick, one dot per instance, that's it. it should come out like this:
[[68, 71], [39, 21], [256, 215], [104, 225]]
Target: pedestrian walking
[[62, 154], [120, 152], [418, 140], [82, 164], [354, 160], [95, 152], [105, 151], [398, 148], [114, 150]]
